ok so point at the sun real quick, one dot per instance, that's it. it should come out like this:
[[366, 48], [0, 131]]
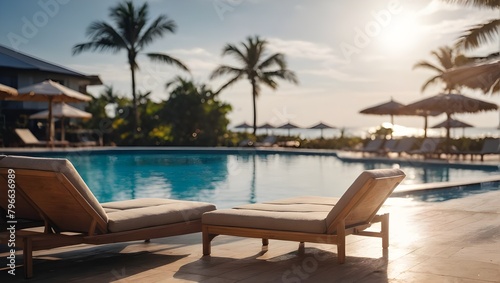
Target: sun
[[401, 34]]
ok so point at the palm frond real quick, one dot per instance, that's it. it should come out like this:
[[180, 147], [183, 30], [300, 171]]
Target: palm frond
[[157, 29], [277, 58], [231, 49], [230, 82], [431, 81], [164, 58], [492, 4], [427, 65], [267, 80], [282, 74], [479, 34], [223, 70], [445, 57]]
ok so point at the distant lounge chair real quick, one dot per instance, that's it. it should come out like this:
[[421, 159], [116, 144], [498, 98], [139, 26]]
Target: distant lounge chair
[[29, 139], [373, 146], [267, 142], [72, 215], [311, 219], [490, 146], [428, 148], [403, 145]]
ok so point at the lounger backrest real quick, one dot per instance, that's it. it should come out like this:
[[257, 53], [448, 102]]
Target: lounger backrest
[[21, 208], [405, 145], [360, 203], [429, 145], [56, 189], [26, 136], [491, 146], [373, 145]]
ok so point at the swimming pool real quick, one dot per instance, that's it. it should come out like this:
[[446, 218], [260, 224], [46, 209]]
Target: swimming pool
[[229, 178]]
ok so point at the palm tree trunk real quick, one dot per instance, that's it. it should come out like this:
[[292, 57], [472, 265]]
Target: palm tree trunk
[[254, 100], [135, 118]]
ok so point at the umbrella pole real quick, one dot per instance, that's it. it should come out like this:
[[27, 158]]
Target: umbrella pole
[[51, 133], [62, 129], [425, 126]]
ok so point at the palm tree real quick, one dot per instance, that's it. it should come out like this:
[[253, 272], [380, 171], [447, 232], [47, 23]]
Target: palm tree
[[257, 69], [130, 33], [448, 59], [485, 32]]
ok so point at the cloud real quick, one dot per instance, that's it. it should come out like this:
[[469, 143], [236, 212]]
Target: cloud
[[337, 75], [303, 50], [196, 51], [436, 6]]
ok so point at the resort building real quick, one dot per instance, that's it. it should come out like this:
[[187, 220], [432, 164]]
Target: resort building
[[18, 70]]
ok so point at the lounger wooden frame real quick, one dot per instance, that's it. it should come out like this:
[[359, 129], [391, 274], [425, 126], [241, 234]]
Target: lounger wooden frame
[[337, 230], [95, 234]]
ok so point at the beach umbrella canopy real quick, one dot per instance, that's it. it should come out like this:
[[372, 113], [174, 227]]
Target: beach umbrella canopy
[[62, 110], [243, 125], [7, 91], [288, 126], [451, 103], [387, 108], [50, 92], [453, 123], [321, 126], [480, 75], [266, 126]]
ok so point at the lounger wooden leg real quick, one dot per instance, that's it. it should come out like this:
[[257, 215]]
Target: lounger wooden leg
[[265, 242], [28, 257], [147, 241], [385, 230], [302, 247], [341, 242], [207, 239]]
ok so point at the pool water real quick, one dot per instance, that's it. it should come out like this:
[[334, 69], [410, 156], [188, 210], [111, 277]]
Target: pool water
[[229, 179]]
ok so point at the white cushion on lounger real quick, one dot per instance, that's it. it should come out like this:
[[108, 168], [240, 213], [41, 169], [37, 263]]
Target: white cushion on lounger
[[302, 214], [149, 212]]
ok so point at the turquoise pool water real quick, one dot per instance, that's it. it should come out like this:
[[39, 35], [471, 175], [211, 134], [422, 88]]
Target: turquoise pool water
[[231, 178]]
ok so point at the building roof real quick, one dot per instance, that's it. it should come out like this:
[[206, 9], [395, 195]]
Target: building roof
[[12, 59]]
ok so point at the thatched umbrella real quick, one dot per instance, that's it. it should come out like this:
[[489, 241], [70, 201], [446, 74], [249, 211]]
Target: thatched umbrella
[[453, 123], [321, 126], [267, 127], [388, 108], [288, 126], [450, 103]]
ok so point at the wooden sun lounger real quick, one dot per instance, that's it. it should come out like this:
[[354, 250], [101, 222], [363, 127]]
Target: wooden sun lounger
[[30, 140], [311, 219], [72, 215]]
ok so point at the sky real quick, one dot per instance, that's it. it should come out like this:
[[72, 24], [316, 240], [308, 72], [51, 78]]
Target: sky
[[348, 55]]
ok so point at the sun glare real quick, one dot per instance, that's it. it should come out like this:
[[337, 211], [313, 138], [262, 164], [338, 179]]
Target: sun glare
[[401, 34]]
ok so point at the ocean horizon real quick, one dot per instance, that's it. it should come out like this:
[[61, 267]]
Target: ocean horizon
[[363, 132]]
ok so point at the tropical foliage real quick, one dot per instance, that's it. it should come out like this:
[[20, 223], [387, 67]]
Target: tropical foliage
[[256, 67], [482, 33], [192, 115], [447, 58], [132, 33]]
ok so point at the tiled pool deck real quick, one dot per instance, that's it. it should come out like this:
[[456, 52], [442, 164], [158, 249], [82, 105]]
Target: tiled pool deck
[[452, 241]]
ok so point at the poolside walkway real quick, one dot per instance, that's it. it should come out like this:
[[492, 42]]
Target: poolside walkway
[[452, 241]]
